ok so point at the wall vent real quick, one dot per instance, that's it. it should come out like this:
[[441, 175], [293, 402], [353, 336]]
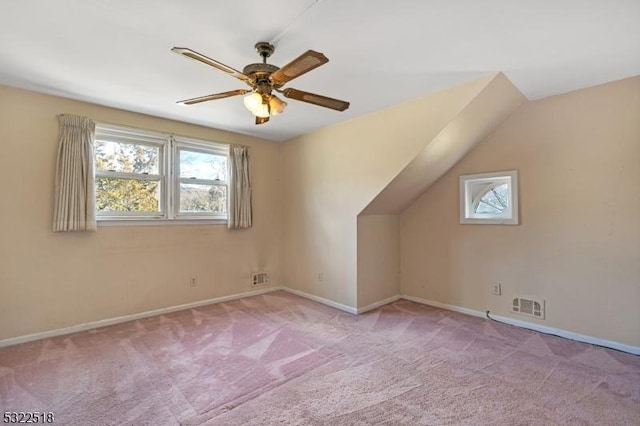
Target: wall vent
[[259, 279], [529, 307]]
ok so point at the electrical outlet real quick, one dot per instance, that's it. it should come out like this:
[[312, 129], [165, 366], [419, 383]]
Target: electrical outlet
[[496, 288], [193, 281], [320, 276]]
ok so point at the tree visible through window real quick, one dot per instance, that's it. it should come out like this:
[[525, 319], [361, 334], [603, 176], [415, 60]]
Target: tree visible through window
[[141, 174], [127, 177], [203, 178]]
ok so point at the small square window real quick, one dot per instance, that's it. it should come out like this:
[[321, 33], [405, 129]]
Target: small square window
[[489, 198]]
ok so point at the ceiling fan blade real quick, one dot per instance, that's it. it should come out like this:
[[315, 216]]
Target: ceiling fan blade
[[312, 98], [261, 120], [304, 63], [191, 54], [213, 97]]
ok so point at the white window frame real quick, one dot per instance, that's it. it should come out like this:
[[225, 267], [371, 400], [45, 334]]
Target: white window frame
[[135, 137], [181, 143], [472, 189], [168, 176]]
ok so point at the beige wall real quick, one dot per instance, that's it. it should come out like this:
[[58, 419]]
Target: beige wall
[[378, 258], [329, 177], [52, 280], [578, 244]]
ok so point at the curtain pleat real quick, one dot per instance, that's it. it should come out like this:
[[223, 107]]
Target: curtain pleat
[[74, 192], [239, 188]]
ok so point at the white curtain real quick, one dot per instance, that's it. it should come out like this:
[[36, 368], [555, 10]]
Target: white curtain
[[74, 197], [239, 188]]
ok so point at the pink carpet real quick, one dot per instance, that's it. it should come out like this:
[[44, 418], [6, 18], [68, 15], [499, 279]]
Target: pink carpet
[[281, 359]]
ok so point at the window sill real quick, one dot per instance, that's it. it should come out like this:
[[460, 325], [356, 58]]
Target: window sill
[[488, 221], [159, 222]]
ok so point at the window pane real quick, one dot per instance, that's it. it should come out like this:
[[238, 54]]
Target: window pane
[[202, 165], [487, 209], [127, 195], [203, 198], [127, 157], [494, 201]]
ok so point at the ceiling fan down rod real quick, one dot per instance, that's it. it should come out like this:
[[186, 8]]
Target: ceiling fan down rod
[[264, 49]]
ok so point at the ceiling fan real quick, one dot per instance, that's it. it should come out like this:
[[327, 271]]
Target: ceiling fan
[[264, 79]]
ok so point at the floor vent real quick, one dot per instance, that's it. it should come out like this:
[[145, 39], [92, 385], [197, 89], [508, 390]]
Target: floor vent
[[529, 307], [259, 279]]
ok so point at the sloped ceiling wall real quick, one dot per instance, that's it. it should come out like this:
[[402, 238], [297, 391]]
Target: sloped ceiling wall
[[330, 176], [484, 113], [378, 251]]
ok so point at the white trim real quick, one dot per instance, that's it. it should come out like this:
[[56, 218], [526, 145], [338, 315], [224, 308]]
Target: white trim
[[441, 305], [468, 199], [125, 134], [201, 145], [164, 222], [379, 303], [515, 322], [117, 320], [331, 303], [532, 326], [569, 334]]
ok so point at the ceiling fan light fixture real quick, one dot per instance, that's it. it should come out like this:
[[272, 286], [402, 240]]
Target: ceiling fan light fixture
[[253, 101], [262, 110], [276, 105]]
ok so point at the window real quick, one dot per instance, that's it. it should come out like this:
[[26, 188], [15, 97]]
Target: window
[[201, 186], [494, 200], [489, 198], [153, 176], [130, 175]]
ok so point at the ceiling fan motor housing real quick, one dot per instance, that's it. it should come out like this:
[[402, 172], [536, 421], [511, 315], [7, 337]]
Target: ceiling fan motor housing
[[260, 73]]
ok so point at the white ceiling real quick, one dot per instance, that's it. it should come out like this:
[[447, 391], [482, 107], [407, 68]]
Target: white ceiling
[[117, 52]]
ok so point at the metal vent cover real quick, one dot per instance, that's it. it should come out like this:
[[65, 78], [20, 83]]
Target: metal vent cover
[[259, 279], [528, 306]]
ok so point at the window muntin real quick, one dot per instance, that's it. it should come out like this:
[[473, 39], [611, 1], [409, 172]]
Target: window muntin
[[494, 200], [146, 175], [489, 198]]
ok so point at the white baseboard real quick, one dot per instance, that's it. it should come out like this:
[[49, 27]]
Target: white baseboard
[[346, 308], [379, 303], [531, 326], [132, 317], [454, 308], [350, 309]]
